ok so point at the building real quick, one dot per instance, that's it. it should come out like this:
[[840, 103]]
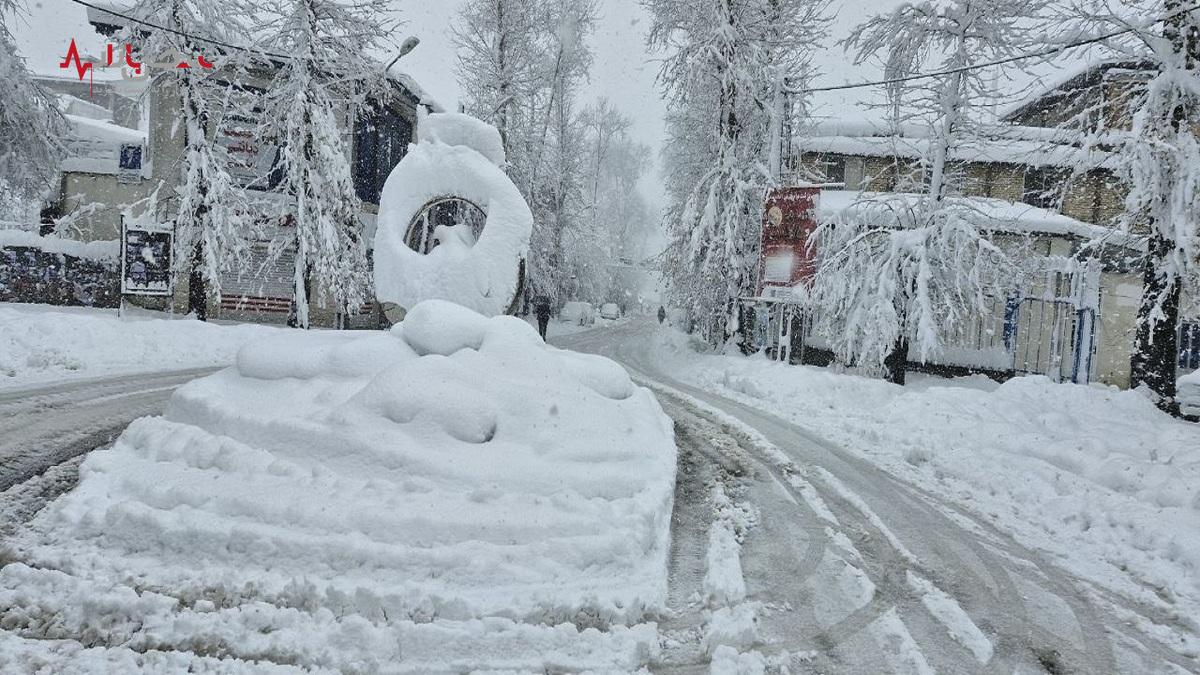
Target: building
[[124, 162], [1026, 167]]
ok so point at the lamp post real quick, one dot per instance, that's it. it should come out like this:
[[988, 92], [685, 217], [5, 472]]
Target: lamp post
[[407, 46]]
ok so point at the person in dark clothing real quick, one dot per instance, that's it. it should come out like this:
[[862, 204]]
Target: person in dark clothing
[[542, 310], [662, 314]]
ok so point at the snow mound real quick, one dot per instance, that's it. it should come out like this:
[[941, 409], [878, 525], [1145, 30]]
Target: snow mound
[[482, 276], [453, 494], [461, 129]]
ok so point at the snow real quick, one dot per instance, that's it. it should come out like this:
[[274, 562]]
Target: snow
[[1097, 476], [996, 215], [92, 250], [450, 495], [947, 610], [735, 626], [462, 129], [727, 661], [723, 582], [482, 277], [43, 342], [1008, 144]]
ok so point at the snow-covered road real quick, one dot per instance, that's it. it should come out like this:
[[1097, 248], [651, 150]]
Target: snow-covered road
[[857, 570], [46, 429]]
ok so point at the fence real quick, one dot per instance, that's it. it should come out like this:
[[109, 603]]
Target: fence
[[29, 274], [1050, 329]]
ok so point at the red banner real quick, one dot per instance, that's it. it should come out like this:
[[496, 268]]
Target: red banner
[[789, 218]]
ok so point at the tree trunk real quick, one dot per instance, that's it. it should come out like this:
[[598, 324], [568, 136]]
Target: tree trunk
[[197, 289], [1156, 347], [895, 363]]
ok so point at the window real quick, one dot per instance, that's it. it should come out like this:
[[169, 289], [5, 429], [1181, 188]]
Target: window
[[1189, 345], [380, 140], [131, 157], [1042, 187], [835, 168], [855, 173]]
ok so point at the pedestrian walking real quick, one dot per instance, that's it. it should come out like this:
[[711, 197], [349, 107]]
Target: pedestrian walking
[[662, 314], [542, 309]]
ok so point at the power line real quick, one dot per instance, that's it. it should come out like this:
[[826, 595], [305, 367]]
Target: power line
[[181, 33], [998, 62]]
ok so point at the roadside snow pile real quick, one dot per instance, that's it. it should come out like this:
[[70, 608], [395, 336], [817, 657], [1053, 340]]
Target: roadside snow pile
[[448, 496], [41, 342], [1098, 476], [483, 276], [723, 581]]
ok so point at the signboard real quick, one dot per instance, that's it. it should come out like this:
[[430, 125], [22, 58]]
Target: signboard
[[252, 158], [788, 221], [146, 259]]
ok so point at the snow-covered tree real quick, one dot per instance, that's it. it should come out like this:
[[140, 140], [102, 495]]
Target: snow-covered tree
[[883, 284], [522, 63], [212, 223], [726, 65], [1156, 156], [616, 220], [31, 128], [328, 75]]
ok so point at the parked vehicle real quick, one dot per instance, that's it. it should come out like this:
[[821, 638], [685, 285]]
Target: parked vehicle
[[610, 310], [1188, 394], [581, 313]]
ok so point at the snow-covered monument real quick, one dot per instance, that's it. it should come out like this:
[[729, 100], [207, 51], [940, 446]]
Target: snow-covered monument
[[451, 224]]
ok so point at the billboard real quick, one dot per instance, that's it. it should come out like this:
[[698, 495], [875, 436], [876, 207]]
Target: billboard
[[789, 218], [146, 259]]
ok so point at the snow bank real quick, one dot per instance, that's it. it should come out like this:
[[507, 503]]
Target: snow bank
[[482, 276], [93, 250], [41, 342], [1096, 475], [451, 495]]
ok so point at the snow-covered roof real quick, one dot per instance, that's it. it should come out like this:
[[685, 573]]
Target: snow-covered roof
[[410, 83], [94, 146], [1062, 84], [999, 214], [93, 250], [1010, 144]]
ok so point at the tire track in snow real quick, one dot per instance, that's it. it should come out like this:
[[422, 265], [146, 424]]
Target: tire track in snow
[[967, 557]]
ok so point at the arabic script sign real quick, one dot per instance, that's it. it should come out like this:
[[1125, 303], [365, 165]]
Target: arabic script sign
[[130, 69]]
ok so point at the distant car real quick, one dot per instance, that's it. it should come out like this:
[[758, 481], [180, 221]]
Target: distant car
[[610, 310], [1187, 392], [576, 312]]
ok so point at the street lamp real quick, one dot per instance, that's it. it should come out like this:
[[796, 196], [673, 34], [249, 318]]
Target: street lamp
[[407, 46]]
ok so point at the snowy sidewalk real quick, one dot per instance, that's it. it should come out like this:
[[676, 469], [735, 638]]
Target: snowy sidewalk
[[41, 343]]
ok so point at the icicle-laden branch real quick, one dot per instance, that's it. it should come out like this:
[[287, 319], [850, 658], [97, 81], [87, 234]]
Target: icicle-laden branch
[[892, 269], [31, 127], [725, 63]]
